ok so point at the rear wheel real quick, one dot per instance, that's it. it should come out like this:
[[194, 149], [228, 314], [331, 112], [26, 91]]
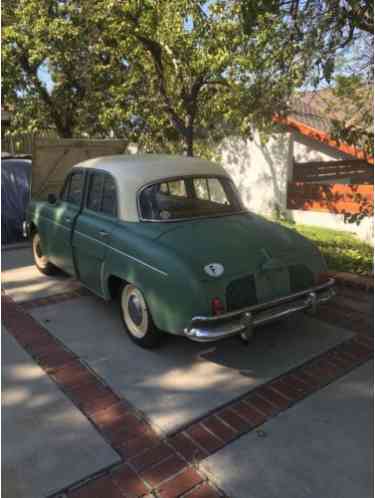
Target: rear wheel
[[41, 261], [137, 318]]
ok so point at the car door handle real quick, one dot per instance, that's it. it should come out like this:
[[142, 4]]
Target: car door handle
[[67, 219], [102, 233]]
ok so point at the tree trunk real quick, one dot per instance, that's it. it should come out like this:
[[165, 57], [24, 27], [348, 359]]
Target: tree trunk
[[189, 141], [64, 132]]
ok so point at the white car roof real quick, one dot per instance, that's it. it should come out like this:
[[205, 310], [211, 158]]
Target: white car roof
[[131, 172]]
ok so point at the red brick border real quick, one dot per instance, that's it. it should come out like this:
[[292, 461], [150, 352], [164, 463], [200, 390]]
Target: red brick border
[[239, 416], [354, 280], [168, 467], [149, 464]]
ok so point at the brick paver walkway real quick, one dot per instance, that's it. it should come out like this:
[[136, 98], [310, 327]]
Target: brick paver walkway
[[169, 467]]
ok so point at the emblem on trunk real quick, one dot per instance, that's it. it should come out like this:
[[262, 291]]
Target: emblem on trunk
[[214, 269]]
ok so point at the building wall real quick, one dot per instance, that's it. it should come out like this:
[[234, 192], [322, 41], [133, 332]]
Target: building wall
[[307, 149], [262, 171]]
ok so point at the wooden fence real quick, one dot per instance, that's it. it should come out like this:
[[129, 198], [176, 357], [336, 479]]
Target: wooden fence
[[356, 171], [333, 198], [23, 143]]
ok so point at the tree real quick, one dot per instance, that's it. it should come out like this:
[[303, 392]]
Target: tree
[[60, 38], [182, 59], [325, 33], [205, 77], [162, 73], [352, 114]]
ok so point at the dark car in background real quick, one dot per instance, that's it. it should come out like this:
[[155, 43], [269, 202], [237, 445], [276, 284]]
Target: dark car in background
[[15, 195]]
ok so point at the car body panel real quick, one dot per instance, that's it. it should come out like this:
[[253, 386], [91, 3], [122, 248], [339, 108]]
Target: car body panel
[[92, 239], [55, 225], [168, 261]]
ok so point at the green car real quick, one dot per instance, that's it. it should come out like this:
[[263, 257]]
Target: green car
[[170, 238]]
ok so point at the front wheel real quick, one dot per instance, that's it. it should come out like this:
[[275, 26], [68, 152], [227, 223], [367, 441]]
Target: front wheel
[[137, 318], [40, 260]]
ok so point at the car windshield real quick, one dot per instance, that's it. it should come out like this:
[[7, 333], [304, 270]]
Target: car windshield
[[189, 197]]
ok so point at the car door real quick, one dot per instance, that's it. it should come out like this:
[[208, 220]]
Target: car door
[[63, 215], [94, 227]]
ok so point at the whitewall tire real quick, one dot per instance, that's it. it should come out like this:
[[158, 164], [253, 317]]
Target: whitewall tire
[[137, 318]]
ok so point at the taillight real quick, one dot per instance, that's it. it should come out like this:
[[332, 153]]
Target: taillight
[[217, 306], [321, 278]]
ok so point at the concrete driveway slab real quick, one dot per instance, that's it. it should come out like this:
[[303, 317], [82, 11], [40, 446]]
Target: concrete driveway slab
[[321, 447], [47, 442], [22, 281], [183, 380]]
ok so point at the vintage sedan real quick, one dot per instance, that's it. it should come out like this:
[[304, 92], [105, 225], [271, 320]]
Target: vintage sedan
[[170, 238]]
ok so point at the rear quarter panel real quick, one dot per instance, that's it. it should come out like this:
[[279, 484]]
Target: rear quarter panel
[[172, 291]]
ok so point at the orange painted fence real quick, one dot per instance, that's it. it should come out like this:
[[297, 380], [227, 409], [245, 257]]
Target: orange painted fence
[[332, 198]]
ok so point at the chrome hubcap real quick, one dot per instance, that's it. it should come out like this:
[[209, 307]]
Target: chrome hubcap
[[134, 311]]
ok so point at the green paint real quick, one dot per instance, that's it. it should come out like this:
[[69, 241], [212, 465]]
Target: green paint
[[166, 260]]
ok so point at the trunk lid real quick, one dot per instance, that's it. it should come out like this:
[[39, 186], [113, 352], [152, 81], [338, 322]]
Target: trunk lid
[[243, 243]]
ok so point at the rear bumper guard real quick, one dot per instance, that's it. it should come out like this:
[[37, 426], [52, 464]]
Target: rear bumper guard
[[214, 328], [25, 229]]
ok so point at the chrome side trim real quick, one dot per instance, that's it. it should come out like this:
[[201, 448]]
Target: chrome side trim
[[123, 253], [165, 274]]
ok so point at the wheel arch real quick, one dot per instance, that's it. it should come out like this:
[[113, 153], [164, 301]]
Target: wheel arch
[[33, 228], [113, 286]]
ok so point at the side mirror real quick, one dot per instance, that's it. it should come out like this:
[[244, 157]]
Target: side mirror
[[52, 198]]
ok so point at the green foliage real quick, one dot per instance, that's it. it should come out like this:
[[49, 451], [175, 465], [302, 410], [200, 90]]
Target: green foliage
[[334, 39], [65, 38], [342, 250], [354, 108], [168, 75]]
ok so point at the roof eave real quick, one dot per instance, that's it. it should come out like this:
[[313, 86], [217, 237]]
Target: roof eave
[[323, 137]]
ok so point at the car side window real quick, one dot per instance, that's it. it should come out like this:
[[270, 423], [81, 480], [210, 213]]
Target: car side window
[[201, 188], [109, 200], [216, 191], [177, 188], [210, 189], [94, 198], [75, 188]]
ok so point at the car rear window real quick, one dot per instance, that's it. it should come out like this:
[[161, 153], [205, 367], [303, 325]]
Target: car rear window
[[189, 197]]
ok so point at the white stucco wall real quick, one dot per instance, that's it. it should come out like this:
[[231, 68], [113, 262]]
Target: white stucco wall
[[261, 173], [307, 149]]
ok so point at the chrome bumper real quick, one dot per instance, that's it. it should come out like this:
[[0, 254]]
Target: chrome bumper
[[214, 328]]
